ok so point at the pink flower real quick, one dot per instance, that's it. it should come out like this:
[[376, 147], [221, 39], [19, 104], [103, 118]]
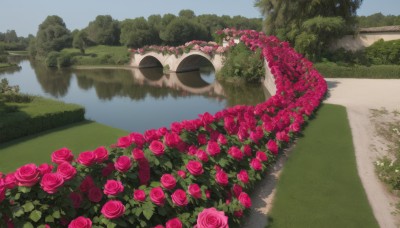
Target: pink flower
[[139, 195], [247, 150], [66, 170], [157, 147], [76, 199], [51, 182], [172, 139], [237, 189], [195, 168], [138, 154], [113, 187], [245, 200], [137, 138], [9, 181], [213, 148], [106, 171], [272, 146], [80, 222], [87, 184], [236, 153], [243, 176], [202, 155], [211, 217], [195, 191], [45, 168], [222, 178], [222, 140], [256, 164], [86, 158], [202, 139], [174, 223], [123, 164], [168, 181], [144, 171], [206, 118], [157, 196], [62, 155], [95, 194], [124, 142], [181, 173], [113, 209], [260, 155], [282, 136], [101, 154], [179, 198], [27, 175]]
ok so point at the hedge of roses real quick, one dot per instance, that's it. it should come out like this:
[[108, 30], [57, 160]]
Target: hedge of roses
[[196, 173]]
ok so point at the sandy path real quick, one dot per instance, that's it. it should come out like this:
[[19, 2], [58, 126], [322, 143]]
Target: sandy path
[[358, 96]]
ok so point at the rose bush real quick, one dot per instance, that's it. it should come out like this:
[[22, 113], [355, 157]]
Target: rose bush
[[197, 172]]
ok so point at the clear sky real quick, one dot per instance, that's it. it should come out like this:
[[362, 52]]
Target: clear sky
[[24, 16]]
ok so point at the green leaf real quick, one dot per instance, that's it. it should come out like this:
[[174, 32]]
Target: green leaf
[[24, 189], [16, 197], [49, 218], [56, 214], [28, 225], [162, 211], [35, 215], [28, 206], [148, 213], [17, 211]]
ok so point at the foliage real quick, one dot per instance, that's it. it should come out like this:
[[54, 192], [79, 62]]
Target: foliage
[[384, 52], [198, 171], [345, 57], [104, 30], [377, 20], [242, 63], [80, 41], [10, 41], [137, 33], [333, 70], [311, 201], [98, 55], [52, 59], [182, 30], [52, 35]]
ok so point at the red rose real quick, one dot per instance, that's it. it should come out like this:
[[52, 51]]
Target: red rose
[[151, 135], [9, 181], [206, 118], [208, 193], [27, 175], [138, 139], [202, 139], [237, 189], [245, 200], [86, 158], [272, 146], [168, 181], [76, 199], [176, 127], [66, 170], [211, 217], [162, 131], [222, 140], [144, 171], [123, 164], [243, 176], [113, 187], [137, 154], [124, 142], [139, 195], [236, 153], [247, 150], [179, 198], [295, 127], [202, 155], [101, 154], [157, 147], [213, 148], [222, 178], [195, 191], [157, 196], [174, 223], [2, 190], [51, 182], [238, 214], [159, 226], [62, 155], [172, 139], [260, 155], [282, 136], [106, 171], [87, 184], [256, 164], [195, 168], [45, 168], [95, 194], [80, 222], [113, 209], [181, 173]]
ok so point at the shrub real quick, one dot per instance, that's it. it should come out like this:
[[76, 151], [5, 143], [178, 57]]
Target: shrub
[[64, 60], [52, 59], [384, 52]]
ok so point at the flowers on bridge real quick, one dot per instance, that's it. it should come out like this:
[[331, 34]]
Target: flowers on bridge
[[195, 173]]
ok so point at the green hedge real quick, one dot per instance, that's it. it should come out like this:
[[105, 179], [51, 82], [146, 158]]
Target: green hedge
[[384, 52], [332, 70], [22, 119]]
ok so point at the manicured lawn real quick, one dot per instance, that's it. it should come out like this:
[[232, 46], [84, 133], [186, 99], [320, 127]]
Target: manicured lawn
[[319, 185], [100, 55], [79, 137], [332, 70]]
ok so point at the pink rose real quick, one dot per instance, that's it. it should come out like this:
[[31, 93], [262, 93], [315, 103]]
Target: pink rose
[[9, 181], [211, 217], [181, 173], [139, 195], [51, 182], [162, 131], [260, 155], [202, 139], [245, 200], [159, 226], [172, 139], [2, 191], [236, 153], [282, 136], [202, 155], [144, 171], [123, 164], [208, 193], [106, 171], [157, 196], [174, 223], [157, 147], [179, 198], [238, 213], [101, 154], [213, 148], [195, 191], [27, 175], [124, 142], [138, 154], [76, 199], [87, 184], [151, 135], [66, 170], [62, 155], [195, 168], [222, 178], [168, 181], [206, 118], [113, 187], [243, 176], [272, 146], [86, 158], [176, 127], [237, 189], [80, 222], [247, 150], [222, 140], [95, 194], [113, 209], [138, 139], [256, 164], [45, 168]]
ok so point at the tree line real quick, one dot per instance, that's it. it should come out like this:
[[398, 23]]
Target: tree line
[[168, 29], [377, 20]]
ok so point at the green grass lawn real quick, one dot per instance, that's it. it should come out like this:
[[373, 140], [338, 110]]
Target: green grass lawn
[[332, 70], [79, 137], [5, 65], [319, 185], [100, 55]]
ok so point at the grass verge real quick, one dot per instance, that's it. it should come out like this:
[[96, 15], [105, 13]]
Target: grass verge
[[99, 55], [319, 185], [332, 70], [78, 137]]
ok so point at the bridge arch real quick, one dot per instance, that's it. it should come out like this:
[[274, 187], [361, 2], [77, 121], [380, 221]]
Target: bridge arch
[[192, 61], [149, 61]]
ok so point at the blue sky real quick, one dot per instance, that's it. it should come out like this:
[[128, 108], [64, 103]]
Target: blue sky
[[24, 16]]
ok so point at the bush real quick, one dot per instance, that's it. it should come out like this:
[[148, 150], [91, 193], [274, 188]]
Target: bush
[[242, 63], [52, 59], [64, 60], [347, 58], [384, 52]]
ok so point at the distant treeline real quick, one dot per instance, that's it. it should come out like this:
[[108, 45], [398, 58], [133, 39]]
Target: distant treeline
[[377, 20], [10, 41]]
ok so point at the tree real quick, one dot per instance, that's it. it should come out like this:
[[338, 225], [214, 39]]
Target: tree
[[10, 36], [188, 14], [80, 41], [136, 33], [155, 26], [288, 19], [182, 30], [52, 35], [104, 30]]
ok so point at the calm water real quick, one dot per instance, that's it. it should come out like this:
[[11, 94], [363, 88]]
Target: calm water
[[134, 100]]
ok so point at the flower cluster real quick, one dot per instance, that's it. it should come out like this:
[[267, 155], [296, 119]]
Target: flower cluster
[[197, 172]]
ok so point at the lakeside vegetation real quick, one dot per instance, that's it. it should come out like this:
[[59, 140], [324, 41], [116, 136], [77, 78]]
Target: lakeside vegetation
[[319, 185]]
